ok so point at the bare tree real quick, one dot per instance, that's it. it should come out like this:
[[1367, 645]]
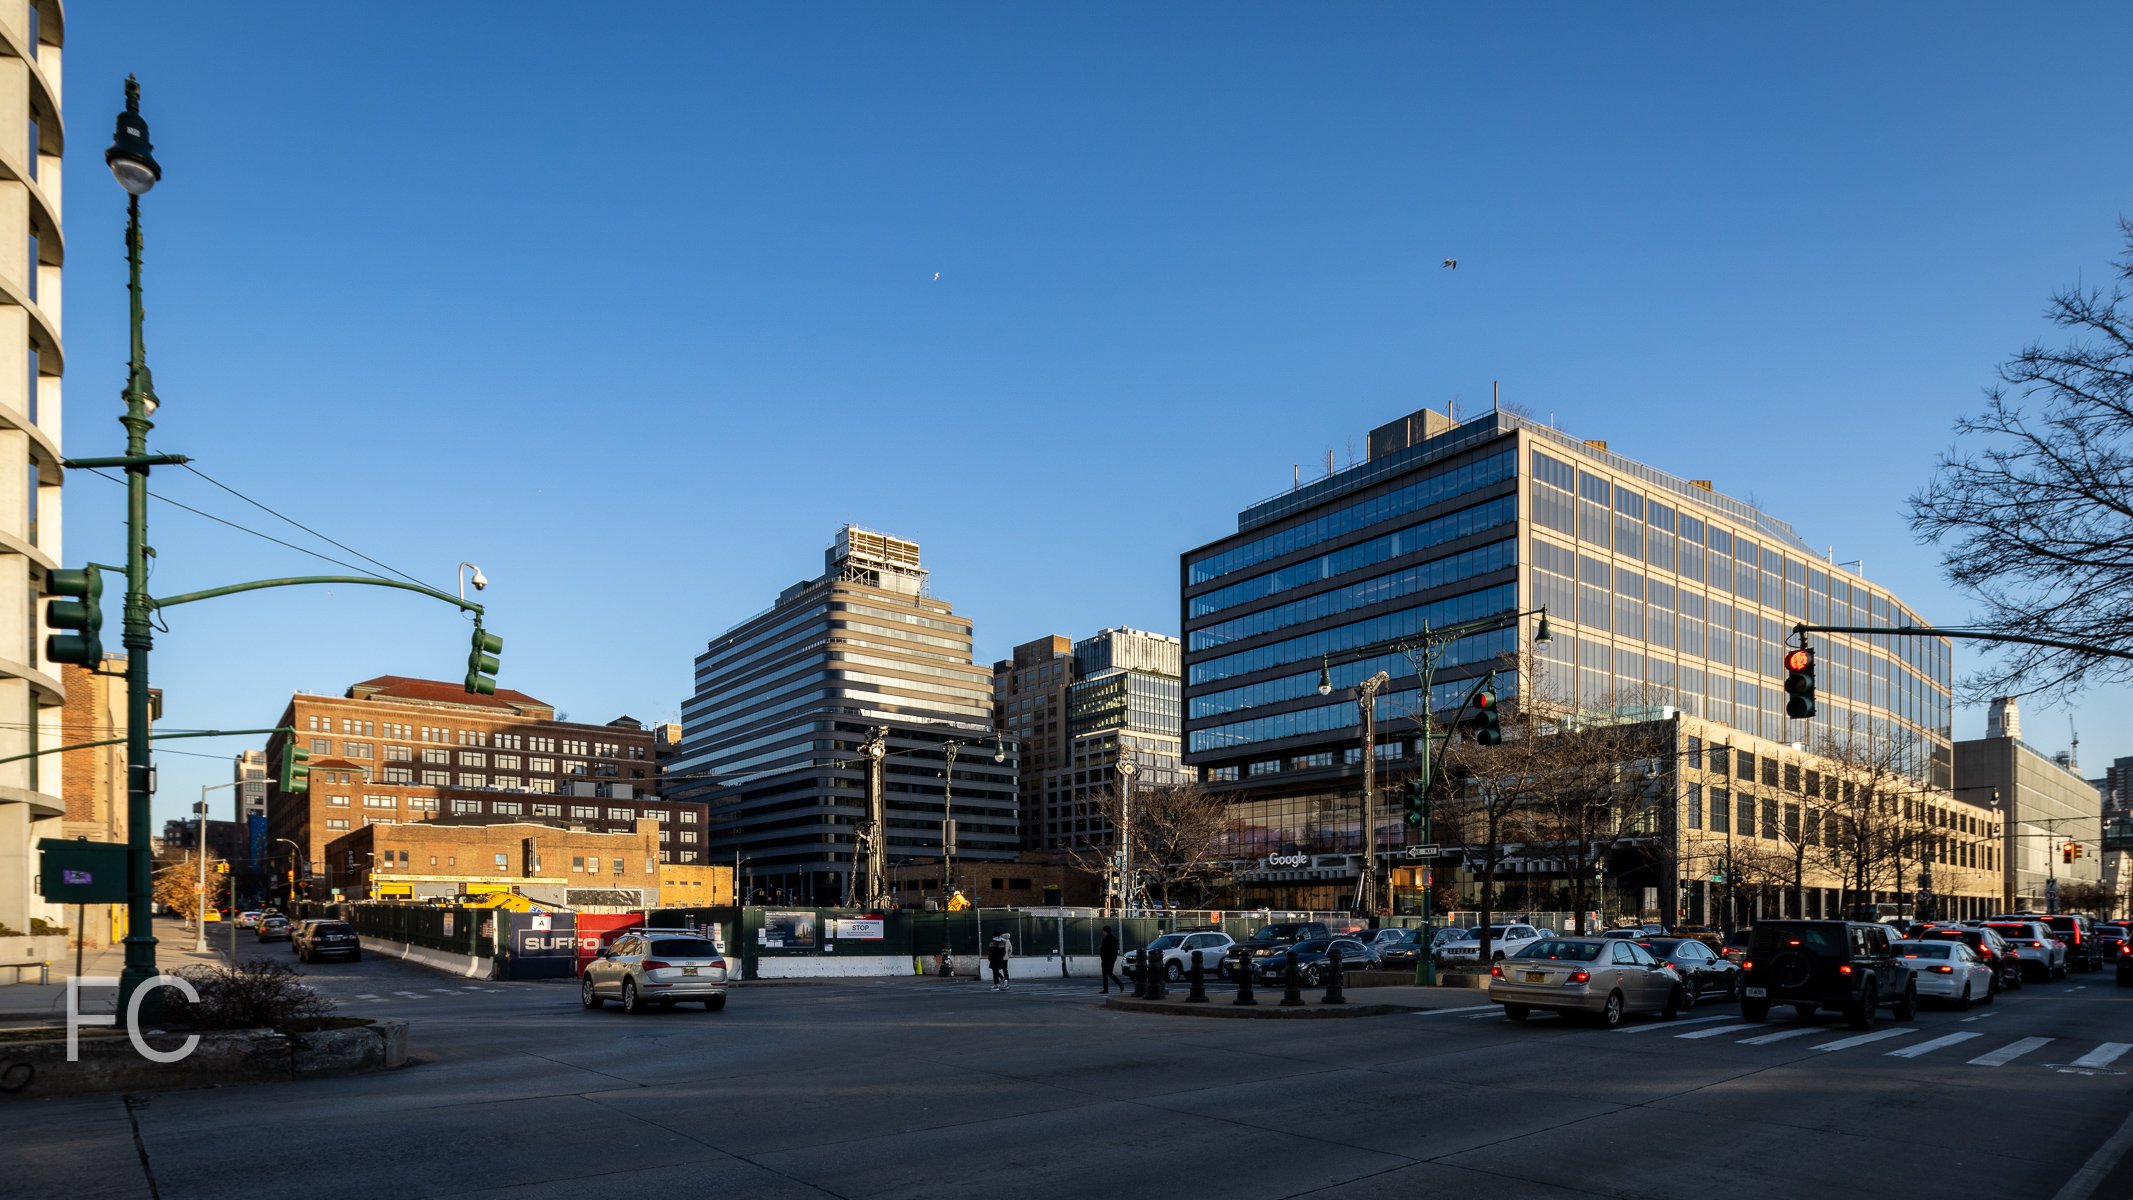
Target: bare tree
[[1867, 834], [1178, 835], [2032, 507]]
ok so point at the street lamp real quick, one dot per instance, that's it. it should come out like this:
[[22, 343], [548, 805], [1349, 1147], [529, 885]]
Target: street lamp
[[951, 748], [200, 892], [1127, 769]]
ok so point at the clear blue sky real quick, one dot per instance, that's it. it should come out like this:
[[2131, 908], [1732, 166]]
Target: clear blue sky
[[634, 305]]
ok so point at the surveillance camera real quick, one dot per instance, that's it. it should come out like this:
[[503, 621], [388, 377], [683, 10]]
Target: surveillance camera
[[480, 580]]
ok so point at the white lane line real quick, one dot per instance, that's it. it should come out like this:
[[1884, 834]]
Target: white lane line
[[475, 989], [367, 996], [409, 995], [1953, 1039], [1676, 1024], [1483, 1016], [444, 991], [1780, 1036], [1979, 1017], [1860, 1040], [2102, 1056], [1715, 1031], [2009, 1052], [1438, 1012]]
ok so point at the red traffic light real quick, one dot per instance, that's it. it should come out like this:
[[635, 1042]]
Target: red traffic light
[[1801, 659], [1484, 699]]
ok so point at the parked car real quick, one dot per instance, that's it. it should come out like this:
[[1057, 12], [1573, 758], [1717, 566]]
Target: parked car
[[1947, 970], [1844, 965], [1403, 952], [1386, 936], [662, 967], [1702, 933], [1703, 973], [2041, 955], [1989, 946], [1267, 939], [1504, 941], [326, 939], [1605, 978], [1313, 960], [1736, 947], [1174, 951], [249, 920], [273, 929]]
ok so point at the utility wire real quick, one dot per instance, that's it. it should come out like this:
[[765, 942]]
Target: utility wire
[[300, 525], [234, 525]]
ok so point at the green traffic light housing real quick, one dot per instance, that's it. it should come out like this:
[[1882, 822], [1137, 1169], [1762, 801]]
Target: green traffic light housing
[[1486, 724], [295, 775], [1417, 813], [78, 613], [1800, 683], [482, 664]]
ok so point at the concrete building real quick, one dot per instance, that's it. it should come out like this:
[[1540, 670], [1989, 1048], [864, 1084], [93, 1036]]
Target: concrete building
[[32, 804], [2052, 830], [1655, 584], [772, 736], [564, 867]]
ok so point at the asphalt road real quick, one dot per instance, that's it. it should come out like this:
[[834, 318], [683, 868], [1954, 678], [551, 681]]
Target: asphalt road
[[925, 1087]]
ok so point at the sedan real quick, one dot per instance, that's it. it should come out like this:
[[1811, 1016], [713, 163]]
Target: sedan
[[1403, 952], [1703, 973], [1947, 971], [326, 939], [1314, 961], [1604, 978], [273, 929]]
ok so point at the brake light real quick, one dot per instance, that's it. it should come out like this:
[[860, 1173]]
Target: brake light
[[1845, 969], [1793, 942], [1747, 964], [1496, 971], [2036, 945], [1581, 977], [653, 964], [1944, 970]]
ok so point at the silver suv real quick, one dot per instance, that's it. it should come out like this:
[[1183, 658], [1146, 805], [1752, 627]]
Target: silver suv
[[656, 966], [2038, 952]]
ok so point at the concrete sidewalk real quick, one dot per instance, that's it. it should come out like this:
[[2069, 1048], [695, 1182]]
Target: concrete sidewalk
[[33, 1004]]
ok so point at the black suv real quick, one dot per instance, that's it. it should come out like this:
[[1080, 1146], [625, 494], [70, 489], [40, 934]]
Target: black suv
[[1269, 937], [2083, 952], [1844, 965]]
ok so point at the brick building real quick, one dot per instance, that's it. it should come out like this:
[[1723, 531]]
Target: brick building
[[554, 865]]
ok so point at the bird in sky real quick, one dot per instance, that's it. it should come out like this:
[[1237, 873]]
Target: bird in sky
[[1453, 263], [936, 277]]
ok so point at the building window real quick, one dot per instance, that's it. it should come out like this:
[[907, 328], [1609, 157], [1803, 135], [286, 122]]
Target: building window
[[471, 759], [547, 810], [504, 762], [581, 812], [503, 862], [541, 766], [621, 814], [337, 801], [592, 865], [507, 808], [380, 802], [433, 860], [687, 816], [577, 864], [337, 823], [397, 775], [470, 780], [437, 779], [465, 807], [422, 804], [689, 835], [321, 745], [399, 754], [509, 782], [438, 758]]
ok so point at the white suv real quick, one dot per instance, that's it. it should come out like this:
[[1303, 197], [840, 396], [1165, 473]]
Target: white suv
[[656, 966], [1175, 951], [1504, 940]]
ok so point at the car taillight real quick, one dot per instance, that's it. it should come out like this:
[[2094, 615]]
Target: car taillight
[[2036, 945], [1747, 964], [1496, 971], [1944, 970], [653, 964], [1581, 977]]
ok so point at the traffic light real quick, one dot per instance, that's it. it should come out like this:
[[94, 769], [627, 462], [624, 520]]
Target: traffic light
[[222, 868], [1486, 726], [295, 776], [1417, 804], [481, 662], [1800, 683], [2067, 851], [79, 612]]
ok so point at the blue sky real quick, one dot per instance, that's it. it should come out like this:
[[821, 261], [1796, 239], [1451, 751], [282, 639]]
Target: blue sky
[[634, 305]]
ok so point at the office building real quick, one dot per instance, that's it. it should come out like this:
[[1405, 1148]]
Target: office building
[[784, 702], [32, 806], [2051, 819], [1654, 584]]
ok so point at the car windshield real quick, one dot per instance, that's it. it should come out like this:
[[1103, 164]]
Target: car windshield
[[1567, 951], [1818, 938], [2013, 931], [1167, 941], [1313, 945], [684, 948], [1924, 949], [331, 927]]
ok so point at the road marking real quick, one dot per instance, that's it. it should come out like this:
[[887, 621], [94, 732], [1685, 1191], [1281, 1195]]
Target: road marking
[[1979, 1017], [1438, 1012], [1675, 1024], [2102, 1056], [367, 996], [2009, 1052], [1861, 1040], [446, 991], [1952, 1039], [1780, 1036], [476, 989], [1484, 1016], [409, 995], [1715, 1031]]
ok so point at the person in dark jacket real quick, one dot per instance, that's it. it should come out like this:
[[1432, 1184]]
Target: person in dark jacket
[[1107, 950], [996, 957]]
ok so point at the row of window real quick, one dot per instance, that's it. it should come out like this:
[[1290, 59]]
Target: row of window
[[1490, 514], [1335, 714], [1474, 648], [1471, 606], [1408, 581]]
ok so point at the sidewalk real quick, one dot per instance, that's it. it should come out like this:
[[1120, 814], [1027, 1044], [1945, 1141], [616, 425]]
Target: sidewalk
[[32, 1004]]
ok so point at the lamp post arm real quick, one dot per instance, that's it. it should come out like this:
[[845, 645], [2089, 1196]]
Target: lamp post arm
[[295, 580]]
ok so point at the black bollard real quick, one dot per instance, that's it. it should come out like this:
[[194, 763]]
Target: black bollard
[[1334, 994], [1244, 982], [1198, 995], [1140, 976], [1157, 971], [1291, 990]]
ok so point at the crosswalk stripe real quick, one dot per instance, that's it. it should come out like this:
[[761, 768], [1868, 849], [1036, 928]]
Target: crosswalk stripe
[[1673, 1024], [2103, 1056], [1714, 1031], [1779, 1036], [1952, 1039], [1860, 1040], [2009, 1052]]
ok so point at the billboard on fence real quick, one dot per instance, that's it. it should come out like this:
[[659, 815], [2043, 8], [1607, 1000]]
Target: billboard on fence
[[787, 931]]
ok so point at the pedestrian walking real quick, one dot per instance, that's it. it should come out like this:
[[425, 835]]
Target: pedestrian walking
[[1007, 957], [1107, 951], [996, 958]]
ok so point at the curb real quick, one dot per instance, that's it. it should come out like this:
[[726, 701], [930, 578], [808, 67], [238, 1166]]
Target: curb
[[1265, 1011]]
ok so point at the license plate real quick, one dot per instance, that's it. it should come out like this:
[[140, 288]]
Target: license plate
[[1755, 993], [1536, 977], [688, 970]]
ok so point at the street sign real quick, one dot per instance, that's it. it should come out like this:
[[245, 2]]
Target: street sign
[[1424, 851]]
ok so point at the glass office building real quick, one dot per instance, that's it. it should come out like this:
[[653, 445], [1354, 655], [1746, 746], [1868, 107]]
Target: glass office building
[[784, 700], [1650, 580]]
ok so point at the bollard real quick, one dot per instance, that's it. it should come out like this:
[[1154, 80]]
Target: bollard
[[1244, 982], [1334, 994], [1140, 976], [1156, 981], [1291, 992], [1198, 995]]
